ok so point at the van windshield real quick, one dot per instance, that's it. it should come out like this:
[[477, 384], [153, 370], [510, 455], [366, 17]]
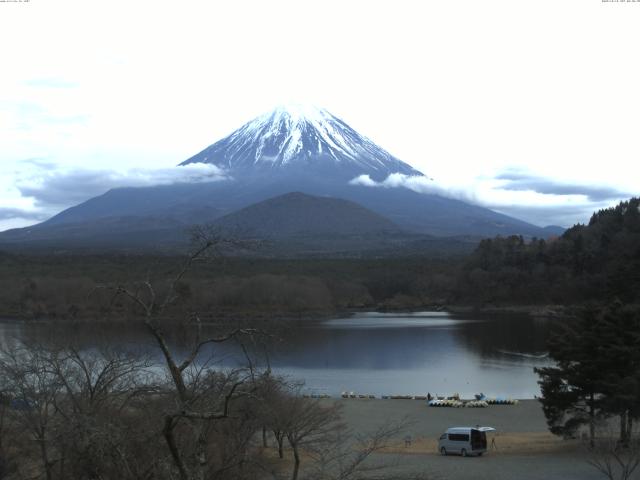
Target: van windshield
[[478, 440]]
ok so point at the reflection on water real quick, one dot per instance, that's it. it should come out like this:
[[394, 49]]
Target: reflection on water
[[418, 353], [374, 353], [394, 321]]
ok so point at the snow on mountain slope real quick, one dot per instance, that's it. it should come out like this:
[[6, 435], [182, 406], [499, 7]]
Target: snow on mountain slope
[[301, 139]]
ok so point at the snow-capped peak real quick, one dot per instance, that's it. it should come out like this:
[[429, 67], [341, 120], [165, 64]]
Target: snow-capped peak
[[298, 124], [300, 112], [304, 138]]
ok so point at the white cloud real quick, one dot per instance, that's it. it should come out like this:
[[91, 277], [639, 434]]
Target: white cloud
[[365, 180], [420, 184], [525, 196], [62, 187], [47, 188]]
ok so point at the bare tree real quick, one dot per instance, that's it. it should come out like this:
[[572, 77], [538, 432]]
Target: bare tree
[[98, 388], [345, 455], [6, 464], [103, 379], [308, 422], [200, 395], [76, 407], [274, 394], [33, 393], [613, 458]]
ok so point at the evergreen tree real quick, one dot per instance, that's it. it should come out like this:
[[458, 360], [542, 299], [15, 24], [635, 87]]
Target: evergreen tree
[[619, 332], [599, 261], [597, 372], [571, 390]]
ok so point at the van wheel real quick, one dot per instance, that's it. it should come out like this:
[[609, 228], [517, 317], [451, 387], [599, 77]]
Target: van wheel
[[480, 454], [443, 451], [463, 452]]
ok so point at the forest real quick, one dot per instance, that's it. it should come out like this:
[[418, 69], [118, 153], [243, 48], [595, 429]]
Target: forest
[[596, 262]]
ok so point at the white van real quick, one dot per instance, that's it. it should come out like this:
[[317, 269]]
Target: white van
[[464, 440]]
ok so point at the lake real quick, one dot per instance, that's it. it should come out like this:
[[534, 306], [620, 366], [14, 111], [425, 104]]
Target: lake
[[373, 353]]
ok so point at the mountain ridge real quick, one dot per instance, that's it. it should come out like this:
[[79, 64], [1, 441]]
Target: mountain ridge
[[308, 151]]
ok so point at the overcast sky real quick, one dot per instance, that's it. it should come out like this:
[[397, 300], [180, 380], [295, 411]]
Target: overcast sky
[[529, 107]]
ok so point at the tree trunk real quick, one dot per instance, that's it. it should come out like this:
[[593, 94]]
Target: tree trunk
[[61, 463], [624, 438], [167, 431], [45, 456], [592, 421], [201, 450], [296, 461], [175, 372], [280, 440]]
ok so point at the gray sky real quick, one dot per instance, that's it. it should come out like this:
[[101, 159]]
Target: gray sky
[[528, 107]]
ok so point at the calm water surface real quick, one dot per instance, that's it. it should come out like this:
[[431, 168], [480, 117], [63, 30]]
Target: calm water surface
[[381, 354]]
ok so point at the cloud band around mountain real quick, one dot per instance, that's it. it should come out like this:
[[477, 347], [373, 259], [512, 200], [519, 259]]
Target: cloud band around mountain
[[526, 196], [522, 181], [63, 187], [51, 188], [11, 213], [420, 184]]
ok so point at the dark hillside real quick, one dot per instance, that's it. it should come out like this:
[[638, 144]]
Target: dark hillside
[[300, 214], [599, 261]]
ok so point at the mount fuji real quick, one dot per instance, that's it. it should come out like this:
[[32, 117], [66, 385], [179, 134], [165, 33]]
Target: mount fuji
[[291, 149], [301, 141]]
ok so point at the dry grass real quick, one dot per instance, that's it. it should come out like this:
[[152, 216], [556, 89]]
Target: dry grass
[[505, 444]]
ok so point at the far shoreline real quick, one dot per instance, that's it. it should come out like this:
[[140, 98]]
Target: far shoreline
[[223, 317]]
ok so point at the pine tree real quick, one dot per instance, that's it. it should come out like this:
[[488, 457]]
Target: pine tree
[[597, 372], [619, 332], [571, 391]]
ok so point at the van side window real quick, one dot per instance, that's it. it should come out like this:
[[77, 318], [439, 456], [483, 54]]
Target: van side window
[[459, 437]]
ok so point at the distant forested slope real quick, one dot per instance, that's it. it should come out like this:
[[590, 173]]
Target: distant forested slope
[[599, 261], [596, 262]]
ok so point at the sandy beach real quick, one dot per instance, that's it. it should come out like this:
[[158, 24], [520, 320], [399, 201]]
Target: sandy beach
[[523, 447]]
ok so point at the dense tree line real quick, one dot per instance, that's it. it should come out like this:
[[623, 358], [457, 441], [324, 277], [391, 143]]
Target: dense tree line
[[598, 261], [64, 287]]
